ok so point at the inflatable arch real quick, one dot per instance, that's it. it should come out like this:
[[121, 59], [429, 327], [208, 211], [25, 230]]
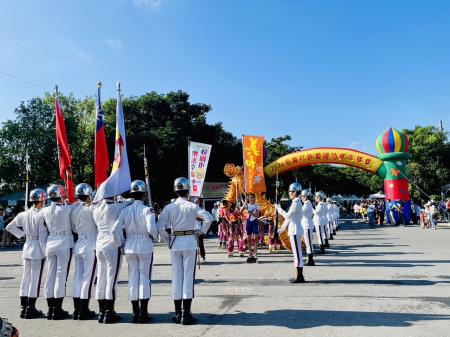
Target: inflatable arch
[[390, 165]]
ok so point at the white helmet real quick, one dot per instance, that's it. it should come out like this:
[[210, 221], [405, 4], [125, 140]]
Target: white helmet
[[295, 187], [83, 189], [56, 191], [137, 186], [181, 184], [320, 195], [306, 193], [37, 194]]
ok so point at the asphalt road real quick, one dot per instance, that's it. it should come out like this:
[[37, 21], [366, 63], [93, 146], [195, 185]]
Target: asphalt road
[[382, 281]]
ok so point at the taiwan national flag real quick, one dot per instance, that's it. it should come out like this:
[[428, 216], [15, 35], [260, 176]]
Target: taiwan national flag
[[101, 158], [119, 180], [64, 156]]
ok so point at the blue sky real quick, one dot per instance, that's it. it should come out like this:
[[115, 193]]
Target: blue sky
[[329, 73]]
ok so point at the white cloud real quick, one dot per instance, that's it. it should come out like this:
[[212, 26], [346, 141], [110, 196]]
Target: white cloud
[[114, 43], [149, 4]]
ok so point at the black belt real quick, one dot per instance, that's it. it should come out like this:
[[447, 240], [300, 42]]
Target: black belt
[[182, 233]]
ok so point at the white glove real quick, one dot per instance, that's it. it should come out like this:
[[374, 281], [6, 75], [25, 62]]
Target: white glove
[[198, 232]]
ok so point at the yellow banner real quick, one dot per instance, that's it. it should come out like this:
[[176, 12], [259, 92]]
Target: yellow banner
[[253, 163], [348, 157]]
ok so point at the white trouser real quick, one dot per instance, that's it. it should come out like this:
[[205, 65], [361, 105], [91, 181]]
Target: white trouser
[[320, 230], [296, 244], [31, 278], [307, 235], [183, 274], [109, 262], [139, 276], [57, 271], [327, 230], [85, 265]]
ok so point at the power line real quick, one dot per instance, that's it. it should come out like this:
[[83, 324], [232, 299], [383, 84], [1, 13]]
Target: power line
[[24, 81]]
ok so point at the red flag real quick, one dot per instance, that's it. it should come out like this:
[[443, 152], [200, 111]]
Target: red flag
[[65, 159], [101, 158]]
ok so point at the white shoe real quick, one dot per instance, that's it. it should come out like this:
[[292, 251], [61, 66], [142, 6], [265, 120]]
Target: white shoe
[[202, 261]]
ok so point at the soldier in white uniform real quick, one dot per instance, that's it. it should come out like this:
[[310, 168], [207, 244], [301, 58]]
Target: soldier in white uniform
[[320, 220], [108, 258], [33, 254], [138, 222], [308, 226], [179, 219], [330, 219], [58, 250], [292, 221], [83, 225]]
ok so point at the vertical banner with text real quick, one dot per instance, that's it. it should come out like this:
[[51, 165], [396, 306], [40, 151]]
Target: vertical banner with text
[[253, 147], [198, 162]]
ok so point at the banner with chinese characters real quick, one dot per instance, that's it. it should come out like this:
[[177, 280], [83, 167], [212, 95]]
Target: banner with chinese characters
[[348, 157], [252, 147], [198, 162]]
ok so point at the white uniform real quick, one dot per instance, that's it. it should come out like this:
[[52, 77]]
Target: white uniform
[[308, 225], [107, 250], [33, 254], [139, 224], [295, 230], [180, 216], [58, 249], [329, 219], [83, 224], [320, 221]]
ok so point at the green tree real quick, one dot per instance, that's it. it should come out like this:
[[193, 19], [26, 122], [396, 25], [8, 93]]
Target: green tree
[[429, 165]]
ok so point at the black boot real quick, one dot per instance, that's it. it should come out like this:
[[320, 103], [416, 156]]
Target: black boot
[[143, 314], [334, 232], [331, 237], [110, 315], [51, 308], [31, 311], [310, 260], [135, 307], [322, 249], [76, 308], [327, 245], [299, 278], [59, 313], [177, 316], [85, 312], [101, 310], [23, 305], [187, 318]]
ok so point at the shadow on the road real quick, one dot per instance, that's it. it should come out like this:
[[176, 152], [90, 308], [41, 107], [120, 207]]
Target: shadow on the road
[[381, 282], [382, 263], [303, 319]]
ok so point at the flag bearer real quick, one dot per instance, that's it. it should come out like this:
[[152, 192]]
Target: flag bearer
[[33, 254], [108, 258], [83, 225], [179, 219], [292, 221], [58, 249], [138, 222]]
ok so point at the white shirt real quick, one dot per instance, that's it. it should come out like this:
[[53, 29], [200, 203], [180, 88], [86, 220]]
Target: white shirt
[[320, 214], [356, 208], [181, 215], [292, 218], [215, 214], [82, 220], [138, 221], [34, 231], [57, 219], [307, 215], [105, 215], [252, 208]]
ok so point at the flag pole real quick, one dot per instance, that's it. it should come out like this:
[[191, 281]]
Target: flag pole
[[147, 180], [27, 178]]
